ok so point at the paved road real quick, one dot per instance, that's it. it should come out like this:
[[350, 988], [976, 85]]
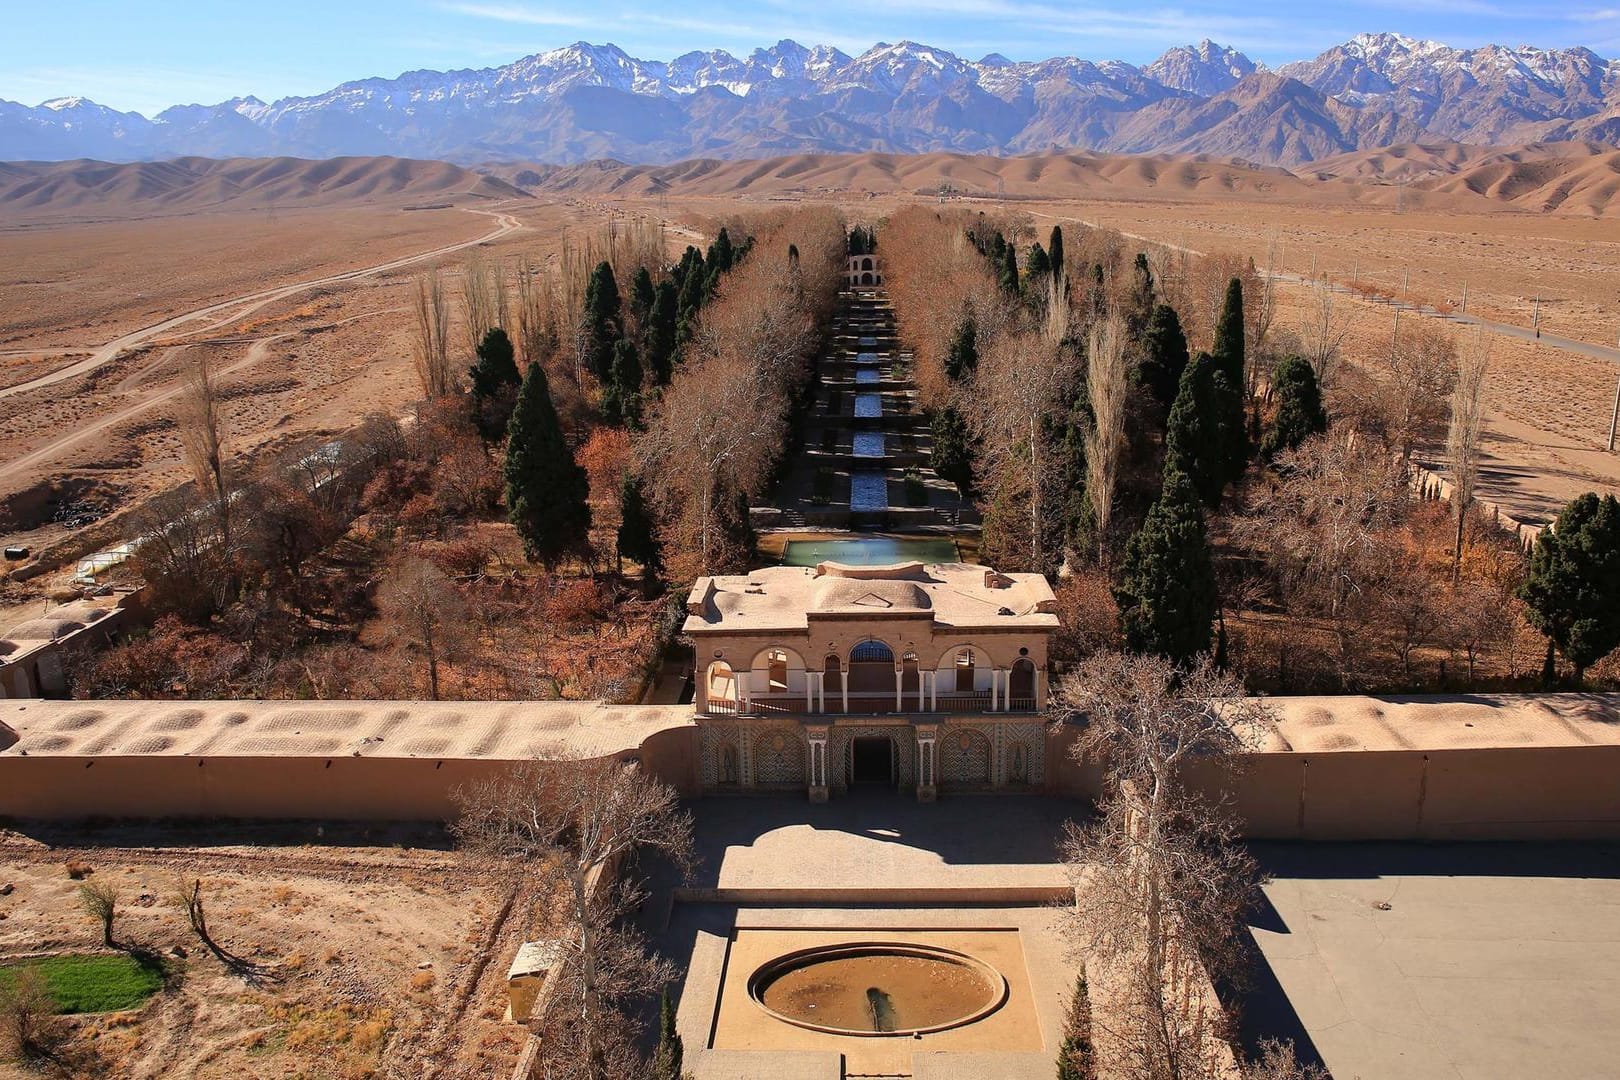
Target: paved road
[[250, 302]]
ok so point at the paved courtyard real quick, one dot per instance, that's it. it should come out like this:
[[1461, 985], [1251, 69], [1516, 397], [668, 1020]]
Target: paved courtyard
[[1491, 962], [875, 866]]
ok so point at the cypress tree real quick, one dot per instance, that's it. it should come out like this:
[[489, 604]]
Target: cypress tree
[[1009, 269], [952, 455], [721, 254], [621, 398], [1139, 306], [1164, 354], [963, 357], [659, 340], [495, 379], [1198, 434], [1572, 589], [668, 1057], [1166, 591], [1229, 334], [546, 490], [638, 535], [641, 296], [736, 527], [602, 320], [1299, 407], [1077, 1059], [1054, 249], [694, 290], [1036, 264]]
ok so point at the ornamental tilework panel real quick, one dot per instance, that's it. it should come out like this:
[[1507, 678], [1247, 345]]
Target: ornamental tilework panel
[[721, 749], [964, 756], [1023, 754], [779, 755], [905, 752]]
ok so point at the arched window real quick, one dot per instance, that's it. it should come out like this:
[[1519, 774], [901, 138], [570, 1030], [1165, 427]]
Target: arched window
[[871, 652], [866, 279], [777, 659], [833, 669], [964, 671], [1022, 684], [866, 264], [910, 679], [721, 686]]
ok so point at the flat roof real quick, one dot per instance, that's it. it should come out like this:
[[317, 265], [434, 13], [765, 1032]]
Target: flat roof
[[495, 730], [1443, 722], [951, 595]]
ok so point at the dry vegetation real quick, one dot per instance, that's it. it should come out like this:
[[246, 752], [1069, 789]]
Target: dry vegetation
[[340, 955]]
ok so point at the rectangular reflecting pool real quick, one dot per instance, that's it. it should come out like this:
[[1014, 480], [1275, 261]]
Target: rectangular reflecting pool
[[868, 375], [869, 551], [868, 490], [868, 404], [866, 358], [868, 444]]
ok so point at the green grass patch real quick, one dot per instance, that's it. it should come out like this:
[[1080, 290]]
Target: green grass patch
[[89, 984]]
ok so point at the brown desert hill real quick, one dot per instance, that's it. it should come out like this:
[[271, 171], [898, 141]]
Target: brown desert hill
[[43, 190], [1578, 178], [1566, 178]]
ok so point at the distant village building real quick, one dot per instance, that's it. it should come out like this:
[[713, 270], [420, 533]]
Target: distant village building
[[913, 676], [31, 652]]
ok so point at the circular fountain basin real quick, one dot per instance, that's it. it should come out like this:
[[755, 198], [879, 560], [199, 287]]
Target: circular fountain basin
[[878, 988]]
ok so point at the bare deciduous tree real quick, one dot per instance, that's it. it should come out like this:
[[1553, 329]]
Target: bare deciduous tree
[[1323, 328], [1161, 882], [1463, 436], [574, 823], [99, 899], [1421, 365], [28, 1024], [202, 438], [421, 609], [483, 299], [1105, 437], [431, 347]]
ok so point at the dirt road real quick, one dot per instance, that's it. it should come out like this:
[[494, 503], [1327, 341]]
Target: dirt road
[[240, 306]]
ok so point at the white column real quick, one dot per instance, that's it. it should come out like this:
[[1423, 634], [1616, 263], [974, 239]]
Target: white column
[[843, 684], [933, 691], [995, 689], [899, 675]]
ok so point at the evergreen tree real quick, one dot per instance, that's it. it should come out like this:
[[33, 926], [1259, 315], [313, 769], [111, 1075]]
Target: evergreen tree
[[684, 269], [737, 528], [495, 380], [1572, 589], [641, 297], [963, 357], [667, 1060], [602, 320], [952, 454], [1054, 249], [638, 534], [546, 490], [1139, 306], [1166, 591], [659, 340], [722, 256], [1008, 273], [621, 398], [1299, 407], [694, 290], [1036, 265], [1077, 1058], [1164, 354], [1229, 335], [1198, 434]]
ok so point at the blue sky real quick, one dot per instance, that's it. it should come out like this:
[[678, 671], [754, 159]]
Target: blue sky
[[149, 54]]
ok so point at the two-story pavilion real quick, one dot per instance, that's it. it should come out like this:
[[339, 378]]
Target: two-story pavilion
[[911, 675]]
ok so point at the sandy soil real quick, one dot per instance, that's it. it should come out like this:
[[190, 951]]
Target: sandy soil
[[362, 953]]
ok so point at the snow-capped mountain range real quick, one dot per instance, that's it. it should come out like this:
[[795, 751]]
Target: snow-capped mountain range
[[595, 101]]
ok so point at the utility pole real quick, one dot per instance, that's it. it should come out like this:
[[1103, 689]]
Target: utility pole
[[1535, 317], [1395, 331], [1465, 298], [1614, 420]]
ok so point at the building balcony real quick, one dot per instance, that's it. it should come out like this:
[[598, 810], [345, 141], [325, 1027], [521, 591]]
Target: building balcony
[[909, 702]]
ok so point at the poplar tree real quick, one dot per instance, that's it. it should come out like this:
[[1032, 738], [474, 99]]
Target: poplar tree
[[1164, 354], [1572, 589], [546, 490], [1166, 591], [602, 320], [1299, 407], [495, 380]]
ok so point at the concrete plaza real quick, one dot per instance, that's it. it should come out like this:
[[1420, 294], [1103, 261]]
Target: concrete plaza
[[1430, 961]]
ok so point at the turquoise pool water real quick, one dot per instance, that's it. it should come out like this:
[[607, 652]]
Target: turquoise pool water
[[868, 551]]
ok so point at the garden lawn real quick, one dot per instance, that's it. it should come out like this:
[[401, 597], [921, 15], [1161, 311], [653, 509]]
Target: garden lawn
[[87, 984]]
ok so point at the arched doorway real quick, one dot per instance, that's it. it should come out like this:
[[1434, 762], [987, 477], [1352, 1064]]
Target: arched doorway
[[871, 677], [866, 264], [832, 675], [776, 671], [872, 761], [966, 670], [866, 279], [1021, 685], [720, 688], [910, 682]]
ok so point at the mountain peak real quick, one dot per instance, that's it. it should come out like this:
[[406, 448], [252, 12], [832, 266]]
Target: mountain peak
[[1204, 69]]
